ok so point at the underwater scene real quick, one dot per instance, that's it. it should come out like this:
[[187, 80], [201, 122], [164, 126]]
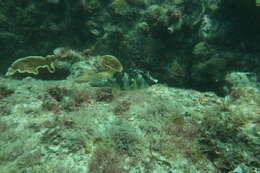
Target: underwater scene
[[130, 86]]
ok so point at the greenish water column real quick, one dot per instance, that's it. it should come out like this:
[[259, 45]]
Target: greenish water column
[[257, 2]]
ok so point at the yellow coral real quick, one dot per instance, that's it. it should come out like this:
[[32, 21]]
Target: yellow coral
[[31, 64], [111, 64]]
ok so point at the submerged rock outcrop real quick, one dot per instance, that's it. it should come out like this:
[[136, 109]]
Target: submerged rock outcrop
[[63, 126], [129, 86]]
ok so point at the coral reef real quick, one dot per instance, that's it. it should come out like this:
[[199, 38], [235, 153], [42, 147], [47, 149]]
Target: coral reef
[[144, 35], [129, 86]]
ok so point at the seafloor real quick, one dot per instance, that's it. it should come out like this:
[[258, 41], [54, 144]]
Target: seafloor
[[130, 86], [67, 127]]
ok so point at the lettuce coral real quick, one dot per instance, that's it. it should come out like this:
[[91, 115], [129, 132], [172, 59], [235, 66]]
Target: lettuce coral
[[108, 65], [31, 64], [111, 64]]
